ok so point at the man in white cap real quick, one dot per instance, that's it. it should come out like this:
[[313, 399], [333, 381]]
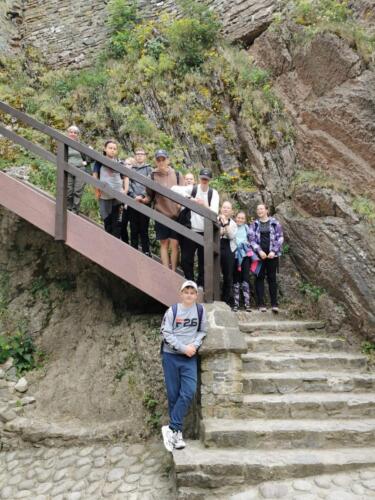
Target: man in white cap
[[75, 185], [183, 328]]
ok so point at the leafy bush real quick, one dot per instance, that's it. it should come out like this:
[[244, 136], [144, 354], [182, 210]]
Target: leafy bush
[[365, 208], [311, 291], [20, 346], [368, 347]]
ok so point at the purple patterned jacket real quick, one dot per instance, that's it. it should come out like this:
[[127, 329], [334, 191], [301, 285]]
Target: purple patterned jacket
[[276, 236]]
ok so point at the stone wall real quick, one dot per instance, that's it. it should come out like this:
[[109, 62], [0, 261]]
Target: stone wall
[[66, 32], [72, 33], [10, 19]]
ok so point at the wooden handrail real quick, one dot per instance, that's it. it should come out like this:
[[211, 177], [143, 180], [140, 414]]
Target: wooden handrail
[[104, 160], [210, 240]]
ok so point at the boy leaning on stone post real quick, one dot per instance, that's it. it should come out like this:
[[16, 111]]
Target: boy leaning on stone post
[[183, 329]]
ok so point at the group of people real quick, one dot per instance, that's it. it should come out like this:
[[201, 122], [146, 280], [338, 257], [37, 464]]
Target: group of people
[[245, 249]]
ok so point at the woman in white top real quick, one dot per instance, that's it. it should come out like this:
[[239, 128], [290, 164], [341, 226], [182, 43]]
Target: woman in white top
[[228, 231]]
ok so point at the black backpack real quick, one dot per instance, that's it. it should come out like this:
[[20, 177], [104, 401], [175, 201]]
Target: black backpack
[[184, 217]]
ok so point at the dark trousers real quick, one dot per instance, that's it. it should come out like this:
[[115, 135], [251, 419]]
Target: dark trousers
[[188, 250], [180, 375], [227, 260], [112, 223], [139, 229], [269, 268], [244, 274], [124, 225]]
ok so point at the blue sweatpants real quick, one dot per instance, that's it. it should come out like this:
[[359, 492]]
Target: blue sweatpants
[[180, 375]]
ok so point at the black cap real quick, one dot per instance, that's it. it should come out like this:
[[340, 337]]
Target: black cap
[[205, 173], [161, 153]]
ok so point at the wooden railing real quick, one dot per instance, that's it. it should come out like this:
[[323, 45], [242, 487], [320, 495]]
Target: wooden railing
[[210, 239]]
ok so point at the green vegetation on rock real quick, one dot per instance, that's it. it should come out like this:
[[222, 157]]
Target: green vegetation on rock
[[170, 82], [334, 16]]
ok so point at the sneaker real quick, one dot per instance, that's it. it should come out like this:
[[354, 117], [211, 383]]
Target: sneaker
[[169, 437], [263, 309], [275, 310], [248, 308], [179, 442], [235, 309]]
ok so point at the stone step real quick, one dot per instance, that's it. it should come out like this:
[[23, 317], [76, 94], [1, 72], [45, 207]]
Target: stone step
[[279, 325], [295, 382], [308, 405], [63, 433], [288, 434], [261, 362], [307, 334], [274, 343], [221, 469]]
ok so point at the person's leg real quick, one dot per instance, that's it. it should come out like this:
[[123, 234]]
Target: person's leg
[[271, 278], [172, 379], [259, 285], [143, 223], [187, 257], [134, 228], [124, 225], [70, 192], [200, 280], [79, 186], [236, 285], [174, 253], [164, 255], [188, 386], [116, 220], [245, 280], [227, 265]]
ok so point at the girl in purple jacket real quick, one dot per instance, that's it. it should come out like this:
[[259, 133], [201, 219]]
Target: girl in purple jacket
[[266, 239]]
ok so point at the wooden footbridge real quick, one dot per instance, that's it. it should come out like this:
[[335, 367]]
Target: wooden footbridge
[[51, 215]]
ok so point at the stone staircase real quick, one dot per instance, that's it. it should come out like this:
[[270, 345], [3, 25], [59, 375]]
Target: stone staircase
[[307, 408]]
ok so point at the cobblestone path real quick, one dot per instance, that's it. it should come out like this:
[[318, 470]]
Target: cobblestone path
[[118, 472]]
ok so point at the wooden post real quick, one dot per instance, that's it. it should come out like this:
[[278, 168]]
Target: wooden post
[[209, 268], [61, 192], [216, 257]]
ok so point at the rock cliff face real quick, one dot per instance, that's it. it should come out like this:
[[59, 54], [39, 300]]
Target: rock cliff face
[[329, 91], [10, 20]]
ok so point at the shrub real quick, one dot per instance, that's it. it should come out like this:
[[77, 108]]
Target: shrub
[[311, 291], [20, 346], [364, 207]]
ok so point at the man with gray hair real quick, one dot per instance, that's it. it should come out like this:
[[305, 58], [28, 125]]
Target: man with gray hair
[[75, 185]]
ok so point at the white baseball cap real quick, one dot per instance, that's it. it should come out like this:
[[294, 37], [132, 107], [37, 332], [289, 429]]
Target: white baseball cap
[[187, 284]]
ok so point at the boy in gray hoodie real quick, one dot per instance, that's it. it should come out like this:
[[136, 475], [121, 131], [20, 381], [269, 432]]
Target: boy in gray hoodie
[[183, 328]]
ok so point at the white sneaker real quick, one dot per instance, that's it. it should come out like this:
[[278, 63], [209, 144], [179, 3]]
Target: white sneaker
[[169, 437], [179, 441]]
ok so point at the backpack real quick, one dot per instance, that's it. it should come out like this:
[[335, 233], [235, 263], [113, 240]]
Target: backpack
[[174, 311], [184, 217]]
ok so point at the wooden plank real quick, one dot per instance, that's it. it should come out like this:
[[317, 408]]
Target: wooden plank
[[216, 257], [61, 192], [34, 148], [32, 206], [93, 242], [82, 148], [208, 261]]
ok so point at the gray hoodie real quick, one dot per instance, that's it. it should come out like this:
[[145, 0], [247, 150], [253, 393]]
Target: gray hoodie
[[184, 331], [135, 188]]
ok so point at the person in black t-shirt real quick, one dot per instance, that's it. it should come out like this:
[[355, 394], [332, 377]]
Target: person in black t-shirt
[[266, 239]]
